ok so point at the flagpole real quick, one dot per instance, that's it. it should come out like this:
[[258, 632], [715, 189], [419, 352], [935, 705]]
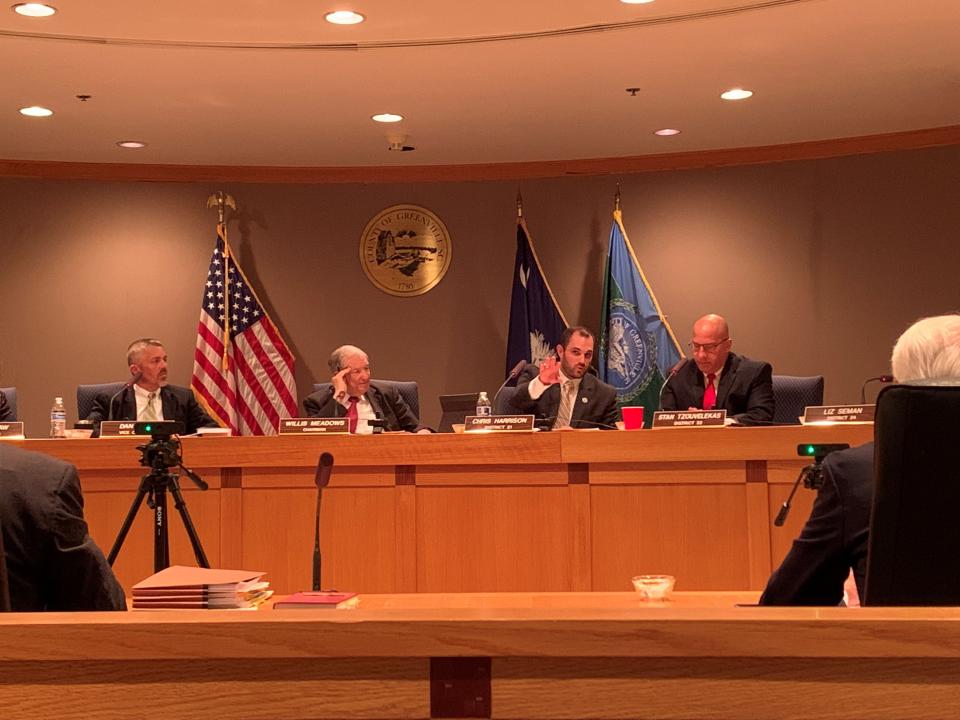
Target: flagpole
[[221, 200], [519, 205]]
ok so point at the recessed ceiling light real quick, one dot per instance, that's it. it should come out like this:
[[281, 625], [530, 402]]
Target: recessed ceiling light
[[736, 94], [36, 111], [344, 17], [386, 117], [34, 9], [636, 2], [131, 144], [666, 132]]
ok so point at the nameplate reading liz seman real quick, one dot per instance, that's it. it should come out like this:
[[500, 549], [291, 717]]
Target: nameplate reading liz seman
[[12, 430], [498, 423], [118, 428], [689, 418], [838, 414], [314, 426]]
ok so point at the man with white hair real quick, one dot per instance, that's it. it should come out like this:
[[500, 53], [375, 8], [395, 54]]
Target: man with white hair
[[353, 395], [834, 540]]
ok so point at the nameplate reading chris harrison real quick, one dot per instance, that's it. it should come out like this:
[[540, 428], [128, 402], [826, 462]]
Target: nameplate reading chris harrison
[[825, 414], [11, 430], [119, 428], [689, 418], [314, 426], [498, 423]]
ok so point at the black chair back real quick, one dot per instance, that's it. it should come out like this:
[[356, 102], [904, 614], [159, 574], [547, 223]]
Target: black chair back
[[792, 394], [408, 389], [87, 394], [504, 404], [914, 533], [4, 580], [11, 394]]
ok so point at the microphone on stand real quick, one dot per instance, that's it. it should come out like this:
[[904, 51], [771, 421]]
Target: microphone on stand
[[677, 367], [512, 375], [878, 378], [322, 479], [126, 386]]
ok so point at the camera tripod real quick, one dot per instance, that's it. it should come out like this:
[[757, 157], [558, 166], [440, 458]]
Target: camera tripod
[[160, 455]]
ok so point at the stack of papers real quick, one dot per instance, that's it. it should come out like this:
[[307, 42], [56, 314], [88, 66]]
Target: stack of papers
[[190, 588]]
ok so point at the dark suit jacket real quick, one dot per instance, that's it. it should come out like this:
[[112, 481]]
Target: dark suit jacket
[[834, 540], [178, 403], [385, 400], [6, 415], [52, 562], [595, 406], [745, 390]]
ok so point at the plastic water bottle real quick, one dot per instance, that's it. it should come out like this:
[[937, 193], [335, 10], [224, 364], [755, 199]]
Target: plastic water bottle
[[483, 405], [58, 419]]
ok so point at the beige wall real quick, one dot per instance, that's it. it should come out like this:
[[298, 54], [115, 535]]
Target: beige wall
[[818, 265]]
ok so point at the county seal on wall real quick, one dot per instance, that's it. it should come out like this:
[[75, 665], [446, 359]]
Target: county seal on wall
[[405, 250]]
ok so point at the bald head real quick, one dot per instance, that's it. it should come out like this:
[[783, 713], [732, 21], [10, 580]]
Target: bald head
[[711, 343]]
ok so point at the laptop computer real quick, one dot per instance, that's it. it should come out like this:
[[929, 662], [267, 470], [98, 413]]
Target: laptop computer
[[455, 408]]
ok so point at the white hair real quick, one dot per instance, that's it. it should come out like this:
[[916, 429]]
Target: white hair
[[928, 353], [340, 355]]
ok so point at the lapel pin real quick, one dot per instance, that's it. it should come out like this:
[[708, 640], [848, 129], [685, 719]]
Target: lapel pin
[[583, 400]]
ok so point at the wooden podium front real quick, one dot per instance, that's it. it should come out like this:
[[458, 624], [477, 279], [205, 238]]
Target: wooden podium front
[[562, 511]]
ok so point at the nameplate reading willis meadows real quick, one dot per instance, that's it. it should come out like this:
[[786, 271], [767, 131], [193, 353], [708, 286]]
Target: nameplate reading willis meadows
[[689, 418], [838, 413], [498, 423], [313, 426], [118, 428], [12, 430]]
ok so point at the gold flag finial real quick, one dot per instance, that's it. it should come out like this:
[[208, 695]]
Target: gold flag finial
[[616, 198], [519, 204], [221, 200]]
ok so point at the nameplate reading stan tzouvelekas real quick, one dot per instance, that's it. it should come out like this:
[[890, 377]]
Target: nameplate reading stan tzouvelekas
[[689, 418]]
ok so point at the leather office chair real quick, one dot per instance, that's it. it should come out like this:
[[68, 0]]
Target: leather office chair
[[408, 389], [504, 404], [914, 534], [87, 394], [4, 580], [792, 394], [11, 394]]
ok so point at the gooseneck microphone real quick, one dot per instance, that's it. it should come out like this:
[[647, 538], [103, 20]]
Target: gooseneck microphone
[[512, 375], [878, 378], [126, 386], [677, 367], [322, 479]]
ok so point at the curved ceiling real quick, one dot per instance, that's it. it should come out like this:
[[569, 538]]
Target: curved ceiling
[[256, 82]]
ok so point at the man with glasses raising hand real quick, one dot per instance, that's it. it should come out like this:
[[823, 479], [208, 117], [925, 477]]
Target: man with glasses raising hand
[[719, 379]]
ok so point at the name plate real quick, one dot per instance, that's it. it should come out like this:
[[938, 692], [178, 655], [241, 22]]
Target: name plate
[[119, 428], [498, 423], [11, 430], [313, 426], [838, 414], [689, 418]]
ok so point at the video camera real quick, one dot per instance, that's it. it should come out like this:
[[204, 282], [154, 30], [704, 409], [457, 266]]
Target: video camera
[[813, 474], [163, 450]]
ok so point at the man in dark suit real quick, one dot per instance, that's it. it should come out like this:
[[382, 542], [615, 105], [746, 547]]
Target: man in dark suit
[[719, 379], [834, 540], [562, 390], [353, 395], [52, 562], [148, 396]]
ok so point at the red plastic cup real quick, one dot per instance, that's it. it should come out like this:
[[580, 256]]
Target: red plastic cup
[[632, 418]]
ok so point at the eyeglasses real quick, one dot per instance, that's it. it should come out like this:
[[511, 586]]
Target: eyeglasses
[[706, 347]]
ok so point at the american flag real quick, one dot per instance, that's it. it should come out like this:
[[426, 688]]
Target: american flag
[[242, 369]]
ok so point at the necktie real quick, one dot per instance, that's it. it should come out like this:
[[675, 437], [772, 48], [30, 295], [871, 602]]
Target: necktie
[[710, 393], [566, 405], [352, 413], [150, 410]]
